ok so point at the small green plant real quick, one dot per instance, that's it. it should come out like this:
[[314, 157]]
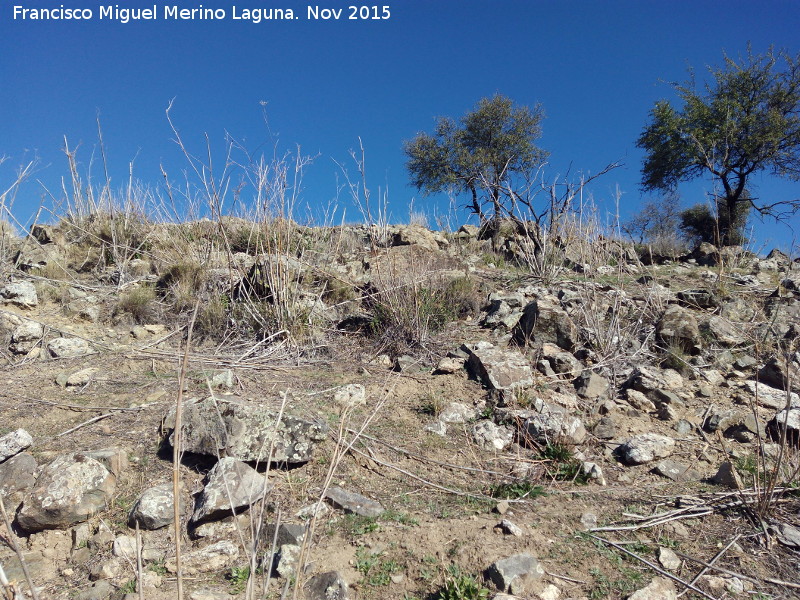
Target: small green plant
[[158, 567], [605, 587], [461, 586], [516, 489], [432, 405], [376, 571], [238, 577], [563, 466], [129, 587]]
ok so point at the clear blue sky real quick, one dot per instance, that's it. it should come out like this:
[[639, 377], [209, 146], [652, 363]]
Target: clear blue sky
[[596, 67]]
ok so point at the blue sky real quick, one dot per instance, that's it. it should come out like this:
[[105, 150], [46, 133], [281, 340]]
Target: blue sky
[[596, 67]]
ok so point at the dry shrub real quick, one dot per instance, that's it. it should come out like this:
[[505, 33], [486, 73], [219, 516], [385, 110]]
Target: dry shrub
[[139, 304]]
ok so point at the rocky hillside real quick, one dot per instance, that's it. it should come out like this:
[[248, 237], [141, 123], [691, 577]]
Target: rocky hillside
[[393, 413]]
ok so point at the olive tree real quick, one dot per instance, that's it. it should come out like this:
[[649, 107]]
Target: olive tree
[[489, 154], [745, 120]]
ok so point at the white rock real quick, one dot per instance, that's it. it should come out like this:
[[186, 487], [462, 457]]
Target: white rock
[[13, 443]]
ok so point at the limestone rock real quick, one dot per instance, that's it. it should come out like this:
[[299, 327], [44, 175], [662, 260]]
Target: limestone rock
[[352, 502], [676, 471], [25, 336], [456, 412], [13, 443], [678, 327], [780, 375], [646, 448], [18, 473], [350, 395], [591, 385], [21, 293], [327, 586], [511, 574], [68, 347], [490, 436], [544, 321], [659, 589], [154, 508], [790, 419], [668, 559], [217, 556], [770, 396], [232, 486], [228, 426], [725, 332], [69, 490], [500, 369], [552, 423]]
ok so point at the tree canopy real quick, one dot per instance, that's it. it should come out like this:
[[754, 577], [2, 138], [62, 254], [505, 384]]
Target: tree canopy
[[482, 155], [745, 120]]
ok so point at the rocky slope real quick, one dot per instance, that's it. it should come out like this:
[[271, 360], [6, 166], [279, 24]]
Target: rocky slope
[[395, 413]]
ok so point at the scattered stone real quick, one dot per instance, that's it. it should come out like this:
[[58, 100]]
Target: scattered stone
[[490, 436], [770, 396], [215, 557], [350, 502], [788, 535], [727, 476], [500, 369], [550, 592], [68, 347], [780, 375], [659, 589], [318, 509], [437, 427], [327, 586], [26, 336], [18, 473], [509, 528], [108, 569], [676, 471], [223, 380], [605, 429], [20, 293], [594, 472], [553, 423], [78, 378], [456, 412], [287, 560], [228, 426], [69, 490], [725, 332], [207, 595], [231, 486], [588, 521], [99, 590], [288, 533], [668, 559], [13, 443], [565, 363], [511, 574], [639, 401], [591, 385], [449, 365], [790, 419], [350, 395], [679, 328], [125, 547], [543, 321], [646, 448]]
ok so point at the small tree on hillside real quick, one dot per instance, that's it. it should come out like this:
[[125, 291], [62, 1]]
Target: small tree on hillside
[[745, 121], [483, 155], [700, 224]]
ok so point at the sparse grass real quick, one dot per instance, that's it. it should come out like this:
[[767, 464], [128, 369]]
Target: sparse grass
[[515, 490], [138, 303], [461, 586], [237, 577], [562, 464], [376, 571]]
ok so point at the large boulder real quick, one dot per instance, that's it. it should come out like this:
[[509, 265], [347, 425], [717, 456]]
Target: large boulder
[[70, 490], [21, 293], [221, 426], [154, 509], [553, 423], [645, 448]]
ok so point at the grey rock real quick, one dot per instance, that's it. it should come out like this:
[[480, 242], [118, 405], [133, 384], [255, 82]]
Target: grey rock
[[288, 533], [490, 436], [552, 423], [26, 336], [725, 332], [510, 528], [727, 476], [13, 443], [511, 574], [646, 379], [228, 426], [678, 327], [68, 347], [666, 397], [99, 590], [788, 535], [591, 385], [154, 509], [18, 473], [639, 401], [659, 589], [327, 586], [788, 418], [668, 559], [605, 429], [223, 380], [352, 502], [449, 365], [232, 486], [287, 560], [350, 395], [437, 428], [544, 321], [676, 471], [594, 472], [500, 369], [214, 557], [69, 490], [588, 521], [456, 412], [780, 375], [20, 293], [565, 363], [723, 420], [645, 448]]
